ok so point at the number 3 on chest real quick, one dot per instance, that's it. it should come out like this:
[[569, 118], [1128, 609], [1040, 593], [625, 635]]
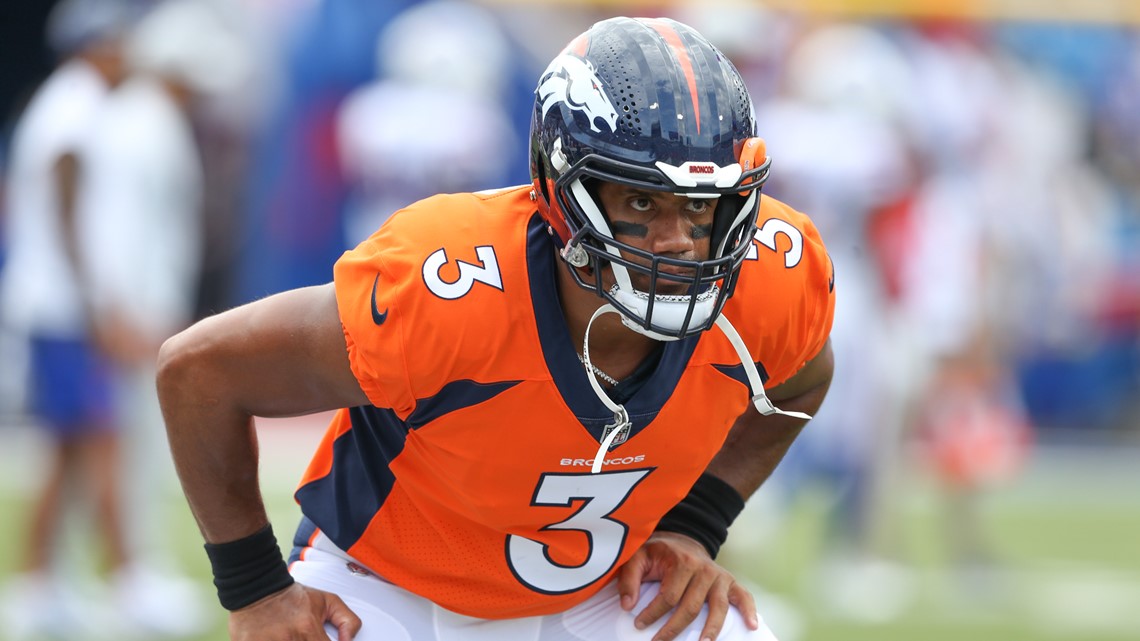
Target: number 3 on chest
[[601, 495]]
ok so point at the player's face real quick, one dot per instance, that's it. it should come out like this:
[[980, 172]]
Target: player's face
[[660, 223]]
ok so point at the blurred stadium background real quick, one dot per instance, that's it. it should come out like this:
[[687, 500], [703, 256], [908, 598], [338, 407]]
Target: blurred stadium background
[[974, 166]]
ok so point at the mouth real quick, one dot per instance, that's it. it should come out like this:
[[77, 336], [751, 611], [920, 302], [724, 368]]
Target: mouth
[[677, 272], [670, 288], [677, 282], [642, 282]]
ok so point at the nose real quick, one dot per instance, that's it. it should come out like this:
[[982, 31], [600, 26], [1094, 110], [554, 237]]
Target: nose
[[671, 234]]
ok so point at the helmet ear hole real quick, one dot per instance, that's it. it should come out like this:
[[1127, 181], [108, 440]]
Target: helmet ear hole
[[726, 210], [539, 171], [593, 185], [593, 189]]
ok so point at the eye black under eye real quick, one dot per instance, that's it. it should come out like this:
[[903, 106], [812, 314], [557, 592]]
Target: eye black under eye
[[623, 228]]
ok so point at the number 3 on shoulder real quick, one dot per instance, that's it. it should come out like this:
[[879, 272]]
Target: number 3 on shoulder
[[487, 272], [766, 235]]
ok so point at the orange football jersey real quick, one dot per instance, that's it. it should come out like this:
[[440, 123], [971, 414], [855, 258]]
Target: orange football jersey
[[468, 480]]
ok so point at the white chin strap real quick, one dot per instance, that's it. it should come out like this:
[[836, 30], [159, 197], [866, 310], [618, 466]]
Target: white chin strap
[[621, 422], [759, 398], [622, 425]]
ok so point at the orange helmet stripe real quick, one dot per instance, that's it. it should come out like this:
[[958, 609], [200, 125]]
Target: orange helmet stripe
[[578, 45], [674, 39]]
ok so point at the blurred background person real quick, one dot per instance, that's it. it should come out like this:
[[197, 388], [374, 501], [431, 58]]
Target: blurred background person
[[144, 220], [294, 195], [836, 128], [435, 118], [132, 209], [45, 291], [962, 418], [300, 198]]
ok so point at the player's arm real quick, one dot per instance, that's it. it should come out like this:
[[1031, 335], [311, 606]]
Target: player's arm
[[757, 443], [110, 332], [65, 177], [281, 356], [681, 555]]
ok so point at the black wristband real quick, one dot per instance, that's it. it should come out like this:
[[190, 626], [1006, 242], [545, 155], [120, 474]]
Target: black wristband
[[248, 570], [705, 513]]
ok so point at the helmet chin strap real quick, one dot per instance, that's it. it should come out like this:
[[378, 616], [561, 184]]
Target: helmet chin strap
[[759, 398], [622, 424], [621, 417]]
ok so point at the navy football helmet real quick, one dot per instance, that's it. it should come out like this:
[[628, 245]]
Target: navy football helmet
[[648, 103]]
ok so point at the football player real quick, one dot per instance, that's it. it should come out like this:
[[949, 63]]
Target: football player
[[552, 399]]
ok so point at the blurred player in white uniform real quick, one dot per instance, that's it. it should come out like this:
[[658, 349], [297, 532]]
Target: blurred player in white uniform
[[442, 61], [45, 299], [104, 268]]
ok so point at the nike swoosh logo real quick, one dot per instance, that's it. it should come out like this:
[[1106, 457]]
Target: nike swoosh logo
[[377, 316]]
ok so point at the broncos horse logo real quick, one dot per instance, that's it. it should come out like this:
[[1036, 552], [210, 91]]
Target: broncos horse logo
[[573, 81]]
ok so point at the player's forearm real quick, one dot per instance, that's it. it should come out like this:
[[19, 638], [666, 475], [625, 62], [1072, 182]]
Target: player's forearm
[[755, 447], [212, 440], [758, 443], [284, 355], [65, 175]]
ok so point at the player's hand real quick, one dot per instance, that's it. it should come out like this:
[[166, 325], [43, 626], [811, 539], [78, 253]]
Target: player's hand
[[118, 339], [297, 613], [689, 578]]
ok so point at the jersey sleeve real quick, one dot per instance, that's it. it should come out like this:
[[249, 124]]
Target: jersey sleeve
[[369, 281], [792, 292]]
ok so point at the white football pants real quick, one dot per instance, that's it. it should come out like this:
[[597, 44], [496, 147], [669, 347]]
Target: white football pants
[[390, 613]]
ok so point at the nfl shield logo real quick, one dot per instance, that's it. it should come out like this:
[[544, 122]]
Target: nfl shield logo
[[622, 435]]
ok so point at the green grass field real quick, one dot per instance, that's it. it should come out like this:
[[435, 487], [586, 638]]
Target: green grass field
[[1060, 572], [1064, 550], [1065, 539]]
